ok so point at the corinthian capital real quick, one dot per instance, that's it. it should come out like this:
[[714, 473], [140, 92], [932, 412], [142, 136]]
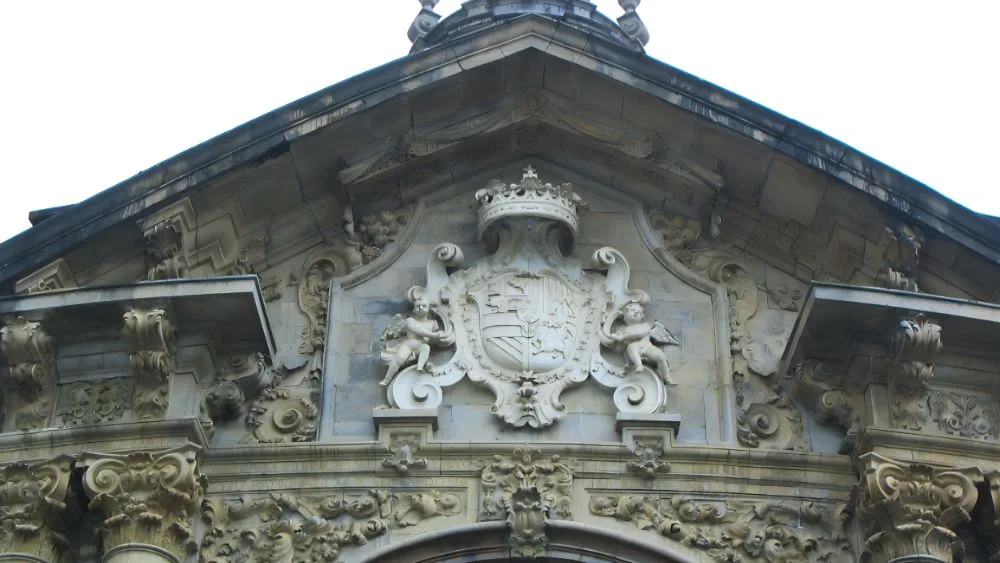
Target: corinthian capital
[[150, 337], [29, 353], [32, 502], [146, 497], [912, 509]]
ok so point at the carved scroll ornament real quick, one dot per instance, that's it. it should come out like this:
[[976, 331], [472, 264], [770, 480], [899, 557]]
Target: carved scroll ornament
[[241, 379], [30, 356], [527, 321], [284, 528], [146, 497], [913, 346], [32, 506], [912, 509], [150, 337], [771, 532]]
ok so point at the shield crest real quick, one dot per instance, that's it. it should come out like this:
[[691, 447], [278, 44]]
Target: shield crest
[[529, 322]]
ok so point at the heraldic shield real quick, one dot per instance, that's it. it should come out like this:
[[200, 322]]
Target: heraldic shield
[[527, 321]]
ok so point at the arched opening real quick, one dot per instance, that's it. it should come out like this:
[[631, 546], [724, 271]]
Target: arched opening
[[567, 542]]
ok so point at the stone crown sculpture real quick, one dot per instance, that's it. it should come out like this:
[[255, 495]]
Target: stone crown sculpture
[[531, 198]]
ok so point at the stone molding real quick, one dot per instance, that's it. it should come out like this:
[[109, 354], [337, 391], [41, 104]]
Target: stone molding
[[146, 497], [52, 277], [912, 510], [33, 504]]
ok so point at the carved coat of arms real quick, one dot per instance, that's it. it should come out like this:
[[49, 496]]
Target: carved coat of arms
[[528, 321]]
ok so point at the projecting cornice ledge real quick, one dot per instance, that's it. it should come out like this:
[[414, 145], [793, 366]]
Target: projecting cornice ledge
[[874, 362]]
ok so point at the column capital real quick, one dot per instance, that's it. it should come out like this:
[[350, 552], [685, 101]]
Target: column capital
[[32, 504]]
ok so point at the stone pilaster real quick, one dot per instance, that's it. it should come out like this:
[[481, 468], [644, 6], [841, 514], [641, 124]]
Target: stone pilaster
[[912, 510], [148, 500], [150, 337], [32, 506]]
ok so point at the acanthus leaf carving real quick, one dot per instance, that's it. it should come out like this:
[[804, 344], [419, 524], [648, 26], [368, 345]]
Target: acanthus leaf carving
[[241, 379], [30, 355], [649, 451], [503, 476], [772, 532], [815, 384], [377, 230], [913, 346], [965, 415], [146, 496], [403, 450], [912, 510], [94, 402], [150, 335], [33, 503], [285, 528]]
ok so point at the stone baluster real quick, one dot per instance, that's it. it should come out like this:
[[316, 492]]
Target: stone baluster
[[32, 506], [148, 500], [912, 510]]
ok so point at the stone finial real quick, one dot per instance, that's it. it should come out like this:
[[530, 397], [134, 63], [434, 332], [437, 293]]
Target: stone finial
[[631, 23], [424, 22], [146, 497]]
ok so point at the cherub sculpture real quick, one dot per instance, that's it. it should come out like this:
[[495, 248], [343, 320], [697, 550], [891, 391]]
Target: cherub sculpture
[[416, 334], [640, 338]]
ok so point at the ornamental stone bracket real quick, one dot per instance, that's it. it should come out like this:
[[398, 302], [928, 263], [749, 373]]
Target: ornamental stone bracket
[[29, 381], [150, 335], [33, 506], [911, 510], [240, 379], [148, 500], [175, 243], [528, 321]]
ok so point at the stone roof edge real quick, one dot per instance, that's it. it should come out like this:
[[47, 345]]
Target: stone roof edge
[[270, 133]]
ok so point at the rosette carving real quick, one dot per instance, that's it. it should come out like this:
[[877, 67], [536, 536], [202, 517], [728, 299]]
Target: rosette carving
[[32, 507], [285, 528], [772, 532], [150, 337], [146, 497], [30, 355], [912, 510]]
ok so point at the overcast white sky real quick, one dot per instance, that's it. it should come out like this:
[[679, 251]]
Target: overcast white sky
[[94, 92]]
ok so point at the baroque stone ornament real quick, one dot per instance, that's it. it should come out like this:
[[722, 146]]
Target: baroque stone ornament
[[772, 532], [30, 355], [912, 348], [242, 378], [284, 528], [526, 490], [377, 230], [150, 337], [528, 321], [965, 415], [649, 450], [32, 506], [94, 402], [901, 258], [775, 420], [403, 449], [146, 497], [815, 384], [911, 509], [285, 411]]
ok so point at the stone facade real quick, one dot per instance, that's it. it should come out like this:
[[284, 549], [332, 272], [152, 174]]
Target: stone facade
[[545, 301]]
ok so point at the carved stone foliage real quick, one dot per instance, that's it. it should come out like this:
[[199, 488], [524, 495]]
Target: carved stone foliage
[[313, 283], [912, 510], [30, 355], [377, 230], [774, 420], [285, 411], [32, 507], [901, 257], [164, 242], [526, 489], [815, 384], [648, 450], [912, 348], [146, 497], [403, 452], [150, 337], [965, 415], [93, 402], [772, 532], [284, 528], [528, 321], [240, 380]]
